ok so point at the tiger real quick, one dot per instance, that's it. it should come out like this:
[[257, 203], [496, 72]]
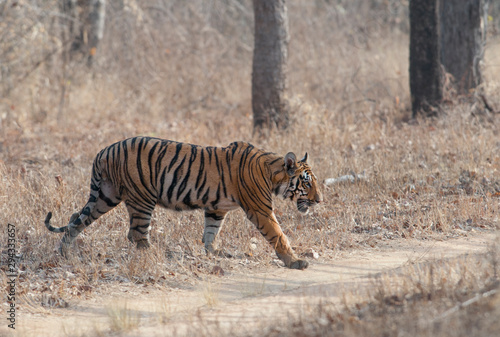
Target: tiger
[[144, 172]]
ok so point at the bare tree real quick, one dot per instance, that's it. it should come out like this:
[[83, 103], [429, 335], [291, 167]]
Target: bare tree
[[96, 27], [270, 56], [69, 19], [445, 36], [84, 21], [425, 67], [462, 41]]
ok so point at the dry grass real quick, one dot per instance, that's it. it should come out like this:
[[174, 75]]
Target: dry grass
[[122, 318], [182, 72], [454, 297]]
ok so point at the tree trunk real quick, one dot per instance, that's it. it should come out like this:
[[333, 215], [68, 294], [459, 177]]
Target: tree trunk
[[96, 27], [85, 26], [425, 69], [270, 64], [70, 25], [462, 42]]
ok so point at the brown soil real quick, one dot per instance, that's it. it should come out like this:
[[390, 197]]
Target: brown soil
[[236, 302]]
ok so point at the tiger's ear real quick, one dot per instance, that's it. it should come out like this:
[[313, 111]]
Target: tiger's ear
[[290, 163], [304, 160]]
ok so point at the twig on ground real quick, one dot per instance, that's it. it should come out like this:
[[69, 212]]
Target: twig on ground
[[465, 304], [352, 177]]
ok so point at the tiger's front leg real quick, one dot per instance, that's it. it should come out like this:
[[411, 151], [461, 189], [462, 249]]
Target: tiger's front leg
[[271, 230]]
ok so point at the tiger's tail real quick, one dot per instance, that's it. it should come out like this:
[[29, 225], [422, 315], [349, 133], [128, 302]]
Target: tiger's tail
[[74, 226], [52, 228]]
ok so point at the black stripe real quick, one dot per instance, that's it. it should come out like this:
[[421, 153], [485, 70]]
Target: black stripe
[[277, 190], [220, 169], [142, 144], [178, 148], [271, 239], [161, 153], [141, 210], [209, 151], [125, 155], [217, 161], [252, 157], [184, 182], [249, 191], [108, 201], [200, 169], [138, 229], [201, 187], [264, 177], [139, 200], [187, 201], [276, 160], [204, 199], [177, 171], [86, 211], [228, 162], [162, 183], [217, 197], [152, 176], [214, 216], [137, 191], [138, 217], [223, 183], [132, 143], [117, 156], [235, 147]]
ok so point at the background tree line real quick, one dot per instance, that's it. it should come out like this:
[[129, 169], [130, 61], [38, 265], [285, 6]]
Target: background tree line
[[446, 37]]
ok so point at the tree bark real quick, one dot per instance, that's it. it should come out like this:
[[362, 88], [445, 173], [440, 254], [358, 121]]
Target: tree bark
[[269, 81], [96, 27], [462, 42], [425, 69], [85, 26]]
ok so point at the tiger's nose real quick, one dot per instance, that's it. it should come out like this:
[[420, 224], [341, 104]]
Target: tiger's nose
[[318, 198]]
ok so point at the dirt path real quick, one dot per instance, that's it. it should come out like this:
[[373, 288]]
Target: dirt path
[[237, 301]]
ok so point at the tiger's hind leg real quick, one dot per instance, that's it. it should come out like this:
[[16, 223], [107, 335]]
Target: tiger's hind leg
[[107, 199], [213, 223], [140, 219]]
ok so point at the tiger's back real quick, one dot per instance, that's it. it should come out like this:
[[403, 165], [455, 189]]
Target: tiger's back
[[181, 176], [144, 172]]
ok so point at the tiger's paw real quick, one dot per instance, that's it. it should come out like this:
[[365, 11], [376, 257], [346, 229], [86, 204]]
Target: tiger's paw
[[143, 244], [222, 253], [299, 264], [292, 262], [217, 252], [63, 250]]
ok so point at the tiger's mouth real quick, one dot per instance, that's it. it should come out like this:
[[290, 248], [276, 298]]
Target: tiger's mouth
[[303, 205]]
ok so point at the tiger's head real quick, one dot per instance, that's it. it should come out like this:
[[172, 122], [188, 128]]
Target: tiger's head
[[302, 184]]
